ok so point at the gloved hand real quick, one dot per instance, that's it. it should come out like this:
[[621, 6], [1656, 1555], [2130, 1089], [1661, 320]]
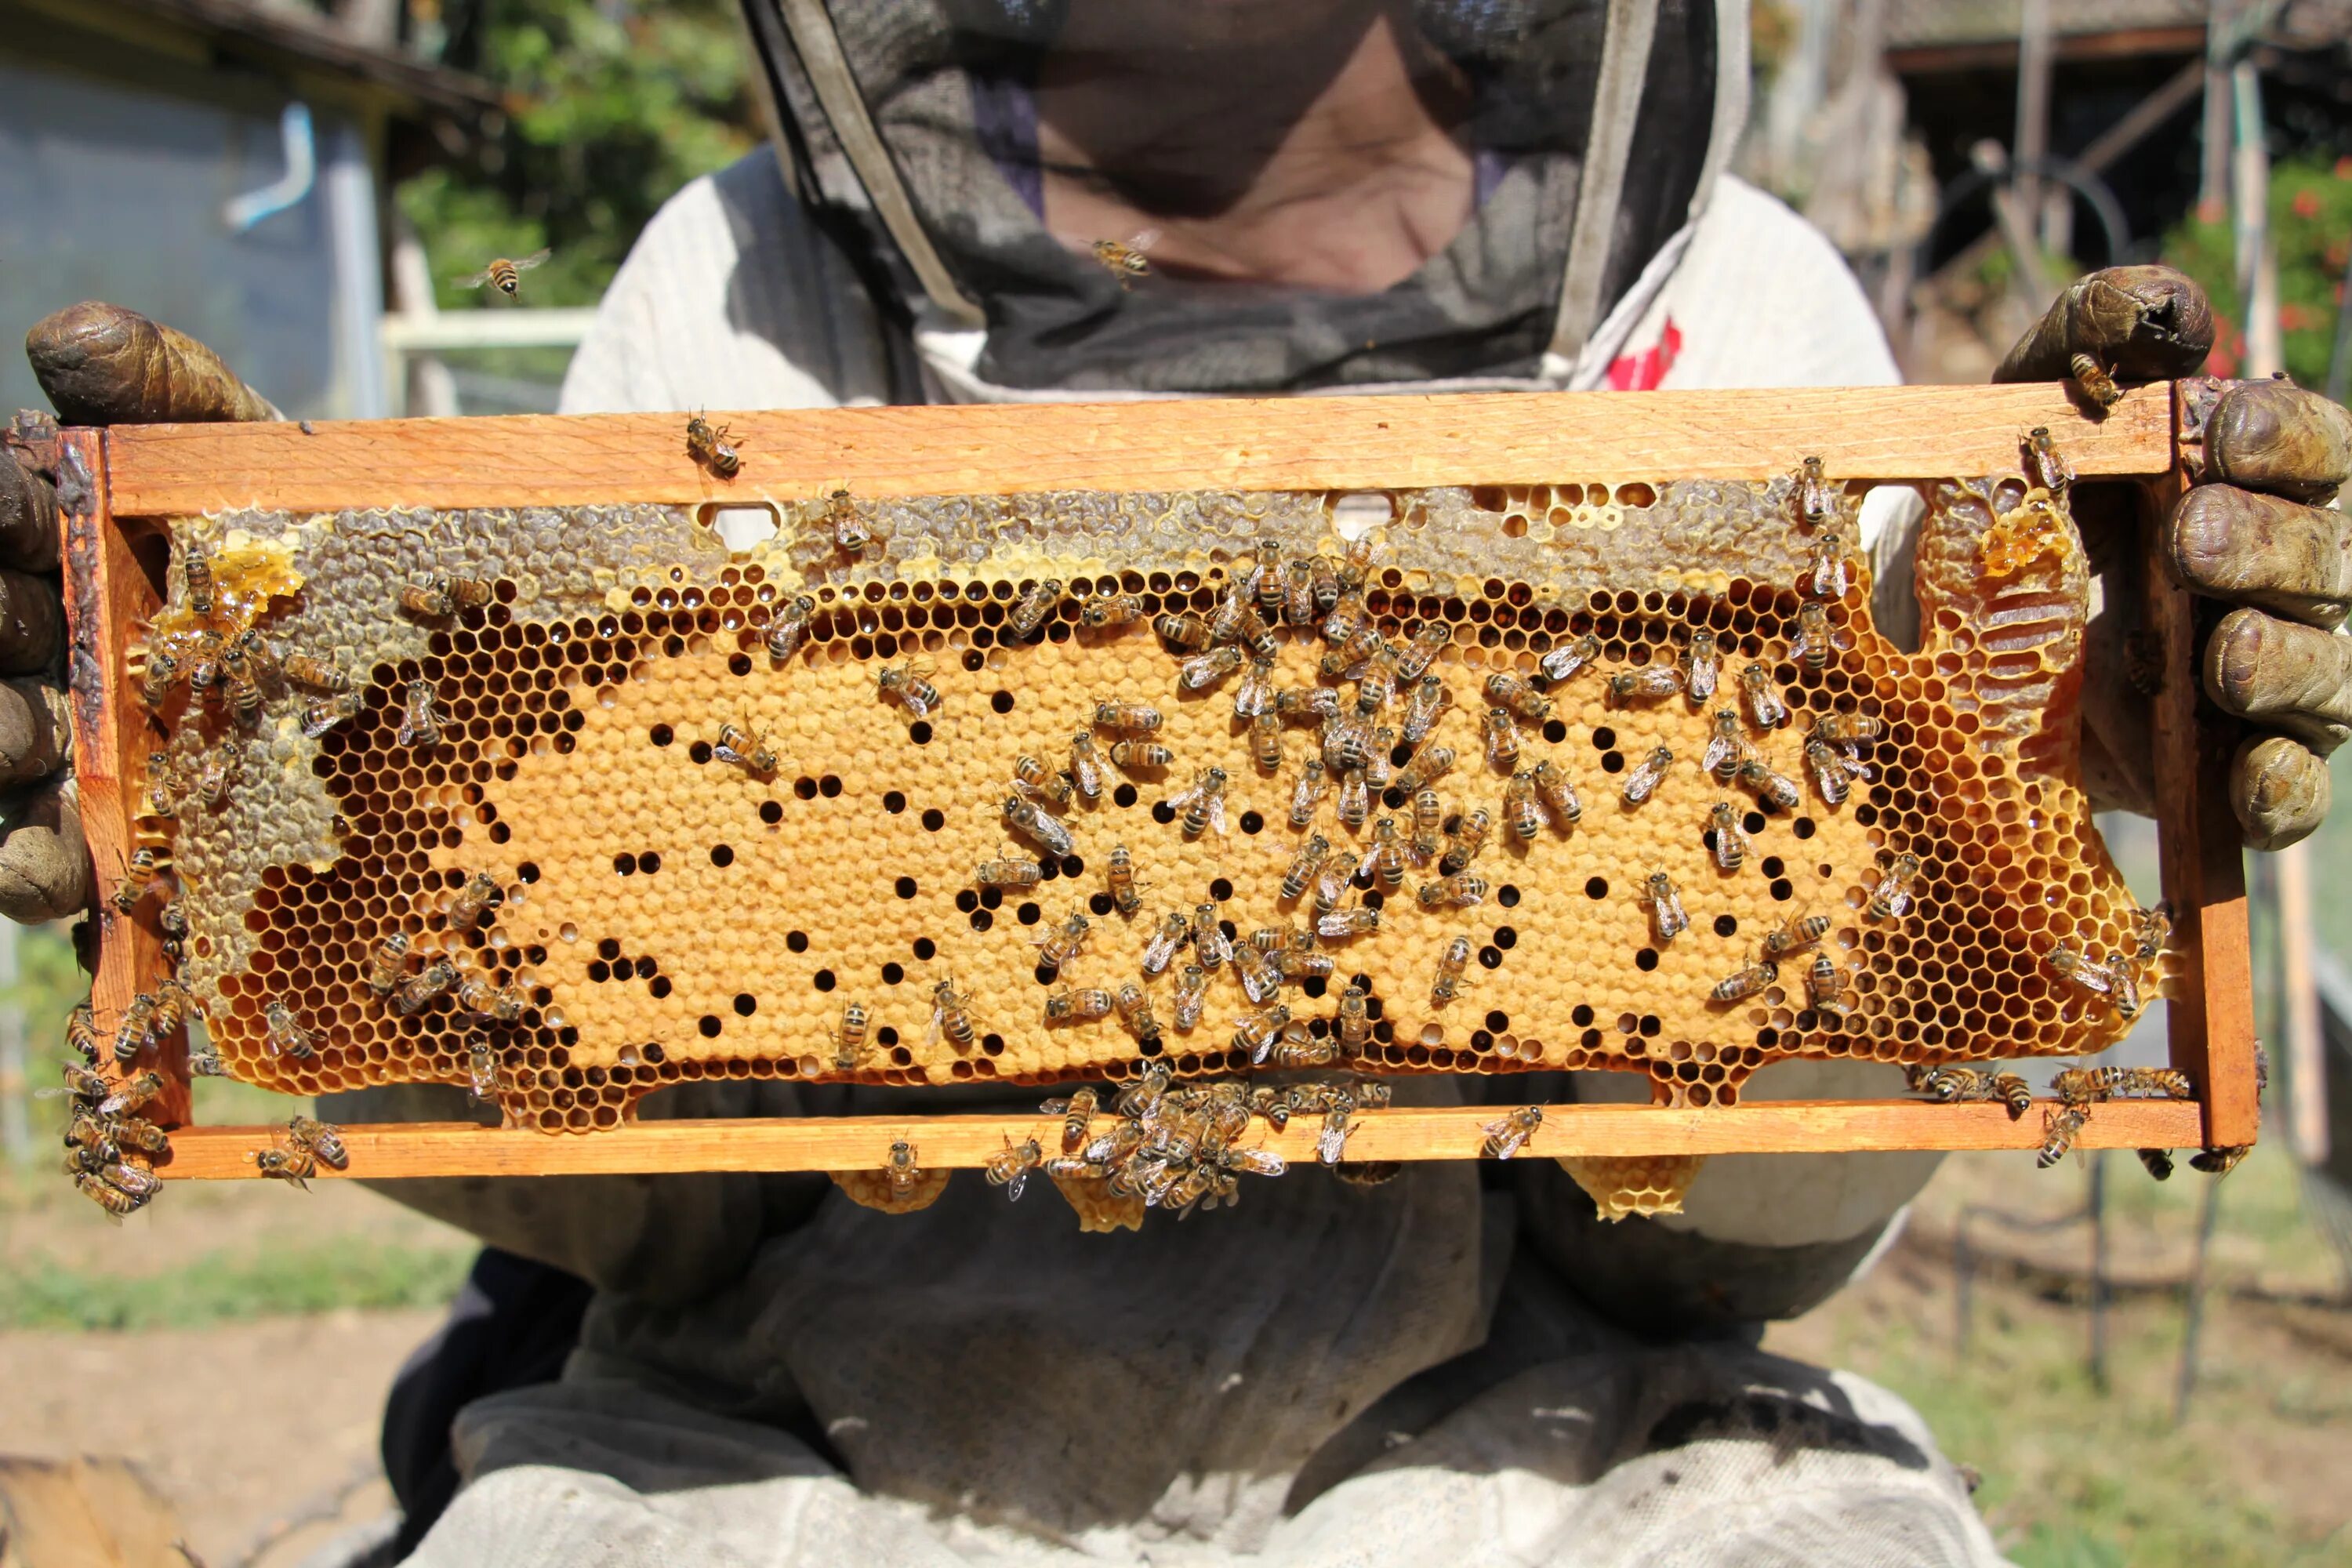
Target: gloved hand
[[2256, 534], [101, 364]]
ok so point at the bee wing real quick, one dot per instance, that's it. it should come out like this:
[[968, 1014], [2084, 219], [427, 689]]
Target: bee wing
[[476, 281], [1143, 240], [1257, 1162], [525, 264], [1217, 813]]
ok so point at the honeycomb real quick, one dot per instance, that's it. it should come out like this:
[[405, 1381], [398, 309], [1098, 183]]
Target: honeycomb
[[1637, 1186], [662, 914]]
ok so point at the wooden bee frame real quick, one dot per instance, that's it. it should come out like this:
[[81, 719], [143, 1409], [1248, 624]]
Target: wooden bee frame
[[117, 481]]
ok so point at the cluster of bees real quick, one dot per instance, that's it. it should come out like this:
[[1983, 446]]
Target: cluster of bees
[[296, 1155], [103, 1128], [2078, 1089]]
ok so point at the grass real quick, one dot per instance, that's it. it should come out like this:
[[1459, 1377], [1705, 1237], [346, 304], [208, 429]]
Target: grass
[[336, 1272]]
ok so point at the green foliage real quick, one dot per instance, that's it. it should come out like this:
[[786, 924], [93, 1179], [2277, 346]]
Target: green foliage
[[318, 1276], [611, 108], [2311, 225]]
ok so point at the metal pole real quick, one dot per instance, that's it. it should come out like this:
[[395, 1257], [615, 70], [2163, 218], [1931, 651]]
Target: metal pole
[[2030, 142], [2193, 1321], [16, 1119], [2099, 1269]]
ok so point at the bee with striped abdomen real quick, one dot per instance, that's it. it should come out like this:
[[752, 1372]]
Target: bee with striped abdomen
[[1816, 502], [505, 275], [1643, 781], [1766, 708], [1728, 838], [1450, 963], [789, 626], [952, 1015], [713, 447], [1776, 790], [1667, 917], [1562, 663], [1507, 1136], [1745, 983], [1891, 898], [1702, 666], [1203, 804], [1507, 690], [909, 686], [1166, 942], [1647, 684], [1036, 602], [420, 724]]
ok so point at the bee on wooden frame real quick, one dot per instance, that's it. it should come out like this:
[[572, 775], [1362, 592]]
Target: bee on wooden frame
[[713, 447]]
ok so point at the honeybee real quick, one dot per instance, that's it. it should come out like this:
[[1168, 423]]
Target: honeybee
[[1344, 619], [1126, 893], [1558, 793], [2059, 1129], [1826, 987], [1255, 695], [746, 749], [140, 1185], [1307, 795], [1010, 1169], [1812, 643], [81, 1032], [1562, 663], [2099, 386], [466, 909], [1508, 1136], [1340, 924], [1256, 1035], [1265, 580], [1037, 601], [1299, 592], [437, 601], [1027, 820], [1828, 576], [1776, 790], [1042, 783], [1470, 832], [1422, 651], [1423, 705], [909, 686], [1304, 863], [155, 680], [196, 571], [1891, 900], [1647, 684], [172, 921], [1126, 261], [1293, 1052], [1353, 1023], [1326, 589], [1203, 804], [1077, 1006], [1502, 738], [1765, 707], [1133, 717], [1428, 819], [1668, 919], [1166, 942], [2155, 931], [1355, 802], [899, 1169], [83, 1084], [1732, 845], [2168, 1083], [1643, 781], [322, 1139], [1261, 975], [138, 879], [1181, 633], [1347, 743], [849, 1039], [504, 275], [1266, 742], [1520, 818], [1209, 941], [1701, 664], [1205, 670], [1426, 768], [478, 996], [1141, 756], [2158, 1163], [1816, 502], [1852, 731], [789, 628], [1192, 995], [952, 1015], [2218, 1162], [1058, 946], [1312, 704], [416, 993], [850, 534], [1508, 690], [118, 1203], [1297, 960], [324, 713], [1454, 892], [1331, 1140], [132, 1030], [1744, 981], [386, 964], [713, 448], [1832, 770], [2044, 463], [1075, 1111], [1376, 684], [1135, 1013], [205, 664], [1343, 661], [1356, 562], [1386, 856], [420, 725], [1795, 936], [133, 1093]]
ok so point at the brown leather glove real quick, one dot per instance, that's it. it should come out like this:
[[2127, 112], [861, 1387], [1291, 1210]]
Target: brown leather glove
[[101, 364], [2257, 535]]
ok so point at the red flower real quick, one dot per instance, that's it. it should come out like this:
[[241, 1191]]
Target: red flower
[[2306, 203]]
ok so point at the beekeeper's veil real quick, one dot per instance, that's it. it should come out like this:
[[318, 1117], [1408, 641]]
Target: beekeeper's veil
[[912, 129]]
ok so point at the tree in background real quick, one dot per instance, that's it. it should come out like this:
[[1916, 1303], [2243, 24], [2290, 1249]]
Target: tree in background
[[2311, 225], [612, 105]]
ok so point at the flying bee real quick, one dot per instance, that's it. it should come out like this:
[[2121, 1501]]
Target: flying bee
[[2100, 387], [1060, 945], [1126, 261], [81, 1032], [1077, 1006], [789, 628], [320, 1139], [1816, 502], [1125, 892], [1520, 818], [1667, 917], [1765, 707], [324, 713], [1299, 592], [1812, 645], [1141, 756], [1256, 1033], [1428, 819], [1386, 856], [2059, 1129], [1130, 718], [1266, 742], [1891, 898], [1423, 650], [1355, 802], [1454, 892], [138, 879], [1341, 924], [849, 1039], [900, 1171], [1470, 832], [1205, 670], [1828, 577], [909, 686], [416, 993], [1647, 684], [1732, 845], [952, 1015], [1502, 740], [850, 534], [1833, 771], [1106, 611], [1423, 706], [1181, 633], [1776, 790], [196, 571], [1166, 943], [1508, 1136], [466, 909], [1255, 695], [1031, 822], [1508, 690], [1209, 941], [1043, 782], [1795, 936], [1745, 983], [713, 447], [1643, 781], [746, 749], [1135, 1013], [1826, 987], [1203, 804], [1701, 664], [420, 724], [1010, 1169], [479, 997], [1037, 601], [1075, 1111], [1562, 664], [1192, 995], [1307, 795], [1426, 768], [155, 680], [2046, 464], [1307, 860], [286, 1036], [505, 275]]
